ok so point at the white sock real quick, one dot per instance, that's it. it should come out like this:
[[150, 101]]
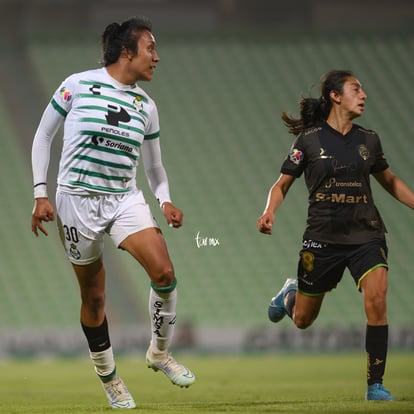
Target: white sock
[[103, 362], [162, 313]]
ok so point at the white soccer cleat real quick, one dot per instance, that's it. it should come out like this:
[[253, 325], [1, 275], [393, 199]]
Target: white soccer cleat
[[118, 394], [176, 372]]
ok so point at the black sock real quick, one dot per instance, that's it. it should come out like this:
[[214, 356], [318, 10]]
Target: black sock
[[97, 337], [376, 345], [290, 302]]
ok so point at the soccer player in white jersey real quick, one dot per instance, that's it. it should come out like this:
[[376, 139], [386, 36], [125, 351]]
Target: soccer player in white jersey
[[109, 123]]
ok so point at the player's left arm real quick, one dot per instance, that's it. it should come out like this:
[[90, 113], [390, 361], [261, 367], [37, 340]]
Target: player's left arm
[[158, 181], [396, 187]]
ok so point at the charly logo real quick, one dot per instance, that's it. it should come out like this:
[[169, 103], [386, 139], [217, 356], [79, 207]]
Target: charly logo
[[95, 89], [206, 241], [363, 152]]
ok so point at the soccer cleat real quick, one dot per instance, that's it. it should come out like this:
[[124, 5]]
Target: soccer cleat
[[176, 372], [376, 392], [277, 310], [118, 394]]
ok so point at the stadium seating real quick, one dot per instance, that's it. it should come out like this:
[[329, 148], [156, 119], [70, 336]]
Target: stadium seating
[[35, 280], [220, 100]]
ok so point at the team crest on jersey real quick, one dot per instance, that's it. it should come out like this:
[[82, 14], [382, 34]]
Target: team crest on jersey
[[138, 103], [74, 252], [363, 152], [65, 94], [296, 156]]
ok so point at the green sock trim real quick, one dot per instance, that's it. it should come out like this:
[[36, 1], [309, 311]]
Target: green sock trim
[[107, 378], [165, 289], [312, 294]]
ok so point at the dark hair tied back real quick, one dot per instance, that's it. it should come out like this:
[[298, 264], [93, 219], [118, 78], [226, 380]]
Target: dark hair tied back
[[125, 35], [111, 30], [315, 110]]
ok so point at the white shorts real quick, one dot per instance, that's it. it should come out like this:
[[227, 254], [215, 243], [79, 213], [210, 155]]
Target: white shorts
[[83, 221]]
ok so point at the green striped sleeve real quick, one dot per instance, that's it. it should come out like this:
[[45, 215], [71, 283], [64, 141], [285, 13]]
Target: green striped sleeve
[[152, 136], [58, 108]]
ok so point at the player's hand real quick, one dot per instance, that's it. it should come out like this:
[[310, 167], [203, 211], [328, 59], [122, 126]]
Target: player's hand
[[172, 214], [265, 223], [42, 211]]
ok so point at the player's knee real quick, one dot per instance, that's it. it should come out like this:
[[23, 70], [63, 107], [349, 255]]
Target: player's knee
[[163, 277], [302, 321], [302, 324], [377, 304], [376, 309]]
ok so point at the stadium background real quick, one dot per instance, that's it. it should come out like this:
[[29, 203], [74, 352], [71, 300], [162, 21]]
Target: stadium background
[[228, 68]]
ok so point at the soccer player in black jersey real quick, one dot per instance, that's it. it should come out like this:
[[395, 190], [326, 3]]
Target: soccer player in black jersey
[[344, 228]]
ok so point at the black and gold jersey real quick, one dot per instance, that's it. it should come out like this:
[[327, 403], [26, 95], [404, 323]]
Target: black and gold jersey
[[337, 171]]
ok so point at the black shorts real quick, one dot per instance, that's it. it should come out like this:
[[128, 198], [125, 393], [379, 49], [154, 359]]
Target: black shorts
[[321, 265]]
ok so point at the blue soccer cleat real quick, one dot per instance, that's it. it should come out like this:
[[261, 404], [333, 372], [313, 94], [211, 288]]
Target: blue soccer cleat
[[376, 392], [277, 310]]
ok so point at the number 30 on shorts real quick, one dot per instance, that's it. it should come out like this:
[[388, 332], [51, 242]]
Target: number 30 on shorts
[[70, 233]]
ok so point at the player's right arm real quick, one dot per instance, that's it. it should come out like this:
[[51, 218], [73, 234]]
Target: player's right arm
[[275, 198], [42, 211], [46, 131]]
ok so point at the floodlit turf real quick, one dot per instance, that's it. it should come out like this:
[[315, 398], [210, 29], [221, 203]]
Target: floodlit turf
[[278, 383]]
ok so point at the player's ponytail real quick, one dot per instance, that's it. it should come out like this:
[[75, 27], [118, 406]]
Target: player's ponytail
[[315, 110], [111, 44]]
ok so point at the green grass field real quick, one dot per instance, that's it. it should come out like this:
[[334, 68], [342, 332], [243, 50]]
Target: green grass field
[[278, 383]]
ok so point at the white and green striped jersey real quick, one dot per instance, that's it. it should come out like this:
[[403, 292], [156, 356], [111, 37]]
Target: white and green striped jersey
[[105, 124]]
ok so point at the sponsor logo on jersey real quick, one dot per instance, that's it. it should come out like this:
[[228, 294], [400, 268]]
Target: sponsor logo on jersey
[[296, 156], [115, 131], [342, 198], [333, 183], [111, 144], [97, 140], [118, 145], [117, 114]]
